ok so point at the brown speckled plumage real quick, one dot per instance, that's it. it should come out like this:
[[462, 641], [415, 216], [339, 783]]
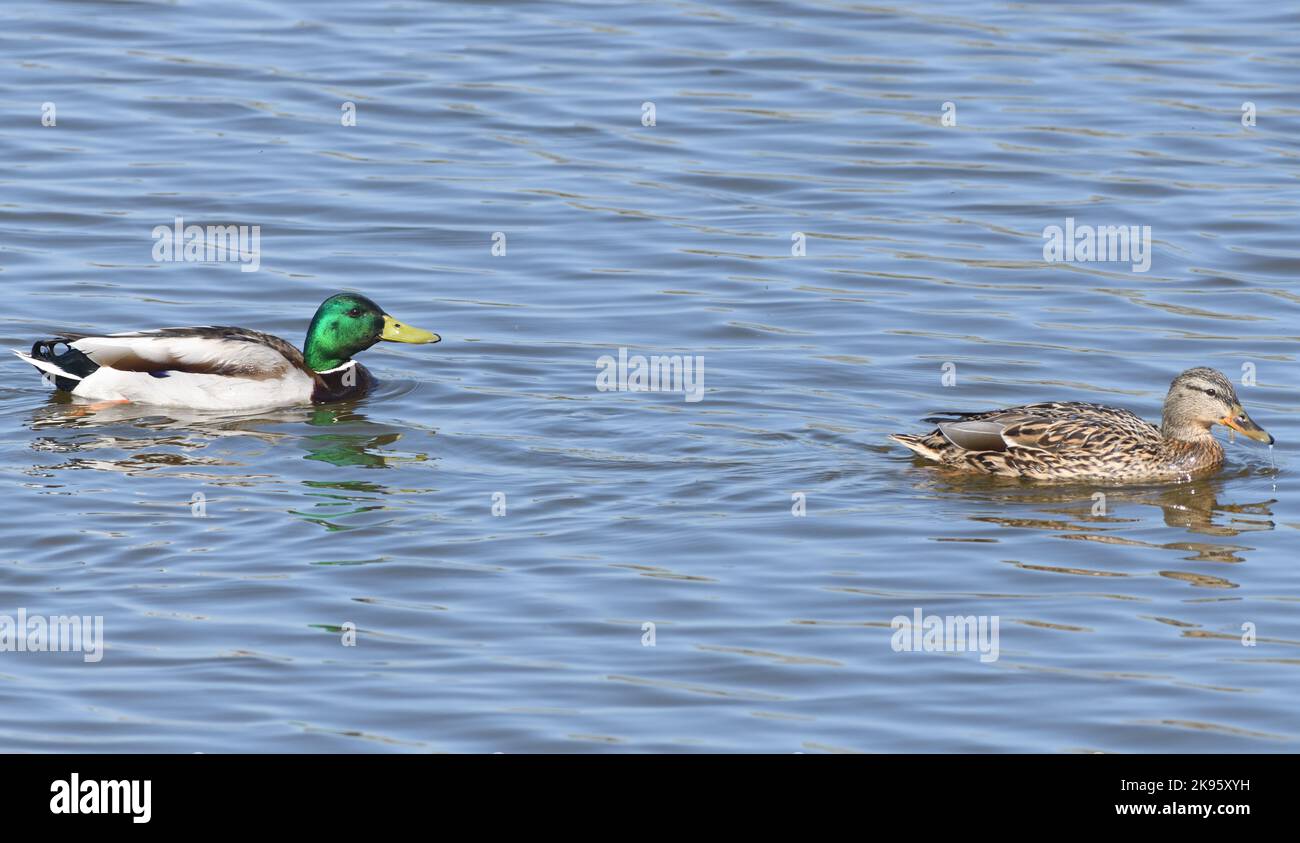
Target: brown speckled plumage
[[1067, 440]]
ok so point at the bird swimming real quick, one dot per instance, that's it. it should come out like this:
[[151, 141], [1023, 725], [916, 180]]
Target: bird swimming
[[1068, 440], [223, 368]]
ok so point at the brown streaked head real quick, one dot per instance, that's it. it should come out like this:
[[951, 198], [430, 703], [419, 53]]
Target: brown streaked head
[[1200, 398]]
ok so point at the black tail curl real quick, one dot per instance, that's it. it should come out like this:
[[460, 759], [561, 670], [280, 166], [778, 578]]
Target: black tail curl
[[69, 360]]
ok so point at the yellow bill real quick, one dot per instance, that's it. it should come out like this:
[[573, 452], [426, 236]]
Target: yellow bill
[[395, 331]]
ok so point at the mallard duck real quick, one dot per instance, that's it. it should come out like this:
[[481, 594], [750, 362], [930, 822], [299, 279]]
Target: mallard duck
[[1066, 440], [219, 368]]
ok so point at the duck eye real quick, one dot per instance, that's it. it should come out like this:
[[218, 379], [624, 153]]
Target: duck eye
[[354, 312]]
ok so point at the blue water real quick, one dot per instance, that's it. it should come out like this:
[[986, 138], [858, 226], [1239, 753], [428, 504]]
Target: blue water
[[775, 125]]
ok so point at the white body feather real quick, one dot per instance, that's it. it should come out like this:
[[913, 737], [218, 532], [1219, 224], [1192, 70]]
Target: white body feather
[[262, 377], [199, 392]]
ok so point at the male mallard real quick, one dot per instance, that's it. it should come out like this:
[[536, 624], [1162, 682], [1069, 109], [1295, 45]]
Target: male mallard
[[218, 368], [1065, 440]]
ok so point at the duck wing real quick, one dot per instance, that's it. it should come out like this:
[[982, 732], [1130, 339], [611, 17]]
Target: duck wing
[[1059, 427], [210, 350]]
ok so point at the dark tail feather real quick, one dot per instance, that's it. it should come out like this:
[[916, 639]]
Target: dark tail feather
[[951, 415], [70, 360]]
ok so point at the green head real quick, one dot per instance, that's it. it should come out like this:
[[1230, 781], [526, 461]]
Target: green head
[[349, 323]]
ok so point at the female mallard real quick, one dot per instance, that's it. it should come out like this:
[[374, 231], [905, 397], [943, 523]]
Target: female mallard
[[217, 368], [1066, 440]]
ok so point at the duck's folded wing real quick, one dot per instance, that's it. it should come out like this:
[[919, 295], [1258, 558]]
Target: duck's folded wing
[[1058, 428], [974, 435], [233, 352]]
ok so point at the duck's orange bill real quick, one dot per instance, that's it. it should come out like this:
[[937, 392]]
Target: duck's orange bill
[[1241, 422]]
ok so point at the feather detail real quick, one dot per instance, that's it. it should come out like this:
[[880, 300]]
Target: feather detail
[[207, 367], [236, 352], [1061, 440]]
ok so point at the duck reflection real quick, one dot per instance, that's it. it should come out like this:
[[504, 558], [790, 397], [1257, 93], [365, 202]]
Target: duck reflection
[[1080, 512], [133, 427], [135, 439]]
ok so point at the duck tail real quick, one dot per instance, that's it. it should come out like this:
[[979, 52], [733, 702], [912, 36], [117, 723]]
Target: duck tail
[[917, 444], [66, 370]]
